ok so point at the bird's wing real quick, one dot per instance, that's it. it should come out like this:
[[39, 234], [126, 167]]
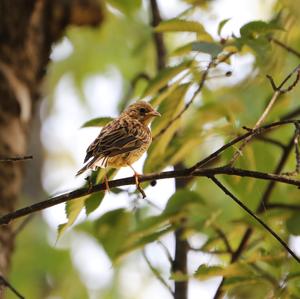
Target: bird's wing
[[116, 138]]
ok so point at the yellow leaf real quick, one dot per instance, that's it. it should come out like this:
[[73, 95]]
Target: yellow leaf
[[73, 209], [169, 110], [164, 76], [176, 25]]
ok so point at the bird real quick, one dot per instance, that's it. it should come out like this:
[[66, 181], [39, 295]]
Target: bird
[[122, 141]]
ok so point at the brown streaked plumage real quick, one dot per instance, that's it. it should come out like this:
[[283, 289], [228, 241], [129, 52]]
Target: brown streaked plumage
[[122, 141]]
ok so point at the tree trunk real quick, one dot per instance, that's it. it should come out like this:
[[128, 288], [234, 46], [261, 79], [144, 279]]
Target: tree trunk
[[28, 29], [181, 249]]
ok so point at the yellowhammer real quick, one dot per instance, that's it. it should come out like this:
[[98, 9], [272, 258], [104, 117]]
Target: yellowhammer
[[122, 141]]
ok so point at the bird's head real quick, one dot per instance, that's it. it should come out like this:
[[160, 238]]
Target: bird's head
[[142, 111]]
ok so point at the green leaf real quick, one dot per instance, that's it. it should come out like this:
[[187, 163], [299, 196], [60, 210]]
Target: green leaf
[[180, 199], [72, 209], [182, 150], [136, 241], [260, 45], [88, 44], [176, 25], [126, 6], [236, 269], [39, 259], [293, 224], [183, 50], [156, 101], [93, 202], [254, 28], [222, 24], [112, 231], [164, 76], [205, 47], [168, 109], [97, 122]]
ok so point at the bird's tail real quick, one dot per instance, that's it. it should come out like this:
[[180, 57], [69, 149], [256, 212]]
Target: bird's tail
[[85, 167], [101, 162]]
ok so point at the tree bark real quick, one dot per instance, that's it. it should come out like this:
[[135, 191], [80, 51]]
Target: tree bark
[[28, 29], [181, 249]]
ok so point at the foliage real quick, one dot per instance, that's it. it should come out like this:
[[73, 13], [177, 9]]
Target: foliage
[[45, 265], [216, 115]]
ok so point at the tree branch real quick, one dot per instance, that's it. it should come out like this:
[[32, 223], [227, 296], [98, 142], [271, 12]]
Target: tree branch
[[167, 252], [183, 174], [284, 46], [253, 133], [156, 272], [187, 105], [283, 206], [262, 207], [194, 171], [245, 208], [12, 159], [278, 91], [4, 282], [266, 196], [267, 139], [198, 90], [225, 240], [158, 37]]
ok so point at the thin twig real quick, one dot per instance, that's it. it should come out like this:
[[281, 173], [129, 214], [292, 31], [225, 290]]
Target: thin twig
[[267, 139], [245, 208], [234, 258], [284, 46], [261, 208], [267, 194], [4, 282], [297, 152], [265, 275], [291, 86], [156, 272], [292, 114], [283, 206], [204, 78], [187, 105], [253, 133], [224, 238], [166, 250], [23, 224], [12, 159], [277, 92], [271, 141]]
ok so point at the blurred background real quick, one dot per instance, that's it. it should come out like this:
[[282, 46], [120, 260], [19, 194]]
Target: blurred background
[[91, 75]]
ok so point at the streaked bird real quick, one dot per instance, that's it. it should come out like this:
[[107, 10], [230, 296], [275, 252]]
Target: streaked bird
[[122, 141]]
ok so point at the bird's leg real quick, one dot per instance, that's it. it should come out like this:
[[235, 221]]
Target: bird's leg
[[136, 175], [137, 182], [106, 181]]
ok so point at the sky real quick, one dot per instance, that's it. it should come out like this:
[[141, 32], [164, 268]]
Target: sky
[[66, 144]]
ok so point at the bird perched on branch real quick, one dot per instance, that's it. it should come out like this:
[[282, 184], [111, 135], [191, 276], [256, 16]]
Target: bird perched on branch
[[122, 141]]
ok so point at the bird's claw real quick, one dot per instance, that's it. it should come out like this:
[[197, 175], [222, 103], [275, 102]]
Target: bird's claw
[[138, 184], [107, 188]]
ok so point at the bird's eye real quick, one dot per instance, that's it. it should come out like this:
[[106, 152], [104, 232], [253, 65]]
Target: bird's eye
[[143, 110]]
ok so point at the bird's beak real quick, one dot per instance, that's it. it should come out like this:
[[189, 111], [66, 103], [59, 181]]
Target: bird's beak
[[154, 113]]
